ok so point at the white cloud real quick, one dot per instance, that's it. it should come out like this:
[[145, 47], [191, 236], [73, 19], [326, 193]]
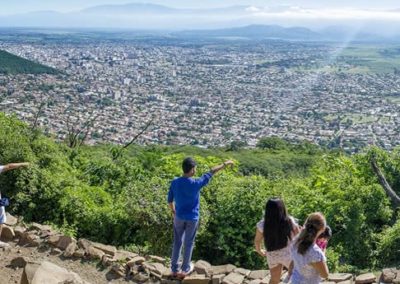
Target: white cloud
[[329, 14], [253, 9]]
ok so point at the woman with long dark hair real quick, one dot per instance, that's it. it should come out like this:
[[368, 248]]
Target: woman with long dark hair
[[309, 260], [276, 231]]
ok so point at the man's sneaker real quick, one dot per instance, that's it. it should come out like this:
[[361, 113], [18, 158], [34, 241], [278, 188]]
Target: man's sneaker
[[191, 268], [174, 274], [183, 274]]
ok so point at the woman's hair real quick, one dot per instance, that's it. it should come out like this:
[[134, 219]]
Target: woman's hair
[[314, 224], [277, 225], [327, 234]]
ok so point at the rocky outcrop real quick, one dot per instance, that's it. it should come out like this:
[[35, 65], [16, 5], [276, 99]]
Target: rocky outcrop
[[46, 272], [136, 268]]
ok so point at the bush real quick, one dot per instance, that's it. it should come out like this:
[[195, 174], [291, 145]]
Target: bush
[[121, 199]]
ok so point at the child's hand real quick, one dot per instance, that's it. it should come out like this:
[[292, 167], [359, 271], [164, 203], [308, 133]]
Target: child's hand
[[262, 252]]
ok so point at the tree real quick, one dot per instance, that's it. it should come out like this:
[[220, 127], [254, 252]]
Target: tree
[[78, 129], [237, 145], [273, 143]]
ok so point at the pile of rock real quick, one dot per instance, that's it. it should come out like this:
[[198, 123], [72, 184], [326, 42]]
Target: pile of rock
[[136, 268]]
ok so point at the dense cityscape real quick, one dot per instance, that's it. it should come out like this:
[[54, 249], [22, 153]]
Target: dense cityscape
[[206, 94]]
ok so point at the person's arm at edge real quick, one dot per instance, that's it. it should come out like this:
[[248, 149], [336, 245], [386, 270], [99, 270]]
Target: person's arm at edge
[[13, 166], [322, 268], [258, 242]]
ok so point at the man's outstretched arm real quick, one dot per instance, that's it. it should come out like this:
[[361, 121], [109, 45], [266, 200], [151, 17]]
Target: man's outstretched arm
[[216, 169], [203, 181], [13, 166]]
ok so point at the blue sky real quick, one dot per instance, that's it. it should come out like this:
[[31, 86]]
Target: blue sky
[[381, 16], [22, 6]]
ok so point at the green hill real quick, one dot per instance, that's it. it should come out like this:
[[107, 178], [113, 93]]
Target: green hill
[[12, 64], [118, 196]]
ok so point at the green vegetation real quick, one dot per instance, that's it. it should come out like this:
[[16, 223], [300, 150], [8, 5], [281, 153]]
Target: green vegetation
[[121, 199], [12, 64], [370, 59]]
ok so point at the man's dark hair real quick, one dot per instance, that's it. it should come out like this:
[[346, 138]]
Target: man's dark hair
[[188, 164]]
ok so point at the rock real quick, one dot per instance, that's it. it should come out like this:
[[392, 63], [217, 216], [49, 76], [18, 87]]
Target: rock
[[365, 278], [54, 239], [94, 253], [119, 270], [5, 247], [255, 281], [39, 227], [29, 272], [136, 260], [159, 259], [388, 275], [196, 279], [141, 277], [107, 260], [203, 267], [345, 282], [242, 271], [7, 234], [70, 250], [265, 280], [84, 243], [339, 277], [156, 269], [47, 272], [64, 242], [397, 279], [166, 281], [223, 269], [123, 255], [11, 220], [135, 269], [110, 250], [19, 231], [80, 253], [29, 239], [19, 262], [258, 274], [47, 234], [55, 251], [233, 278], [217, 279]]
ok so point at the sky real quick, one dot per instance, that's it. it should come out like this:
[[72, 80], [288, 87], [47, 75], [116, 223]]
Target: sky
[[23, 6], [383, 15]]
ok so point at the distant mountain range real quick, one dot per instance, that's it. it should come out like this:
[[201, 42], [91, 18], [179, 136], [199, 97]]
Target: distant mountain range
[[140, 8], [233, 21], [131, 8]]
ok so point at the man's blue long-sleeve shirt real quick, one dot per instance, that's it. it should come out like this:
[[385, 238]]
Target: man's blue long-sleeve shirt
[[185, 192]]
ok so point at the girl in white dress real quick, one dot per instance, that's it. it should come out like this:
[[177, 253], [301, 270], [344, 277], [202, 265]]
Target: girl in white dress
[[276, 231]]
